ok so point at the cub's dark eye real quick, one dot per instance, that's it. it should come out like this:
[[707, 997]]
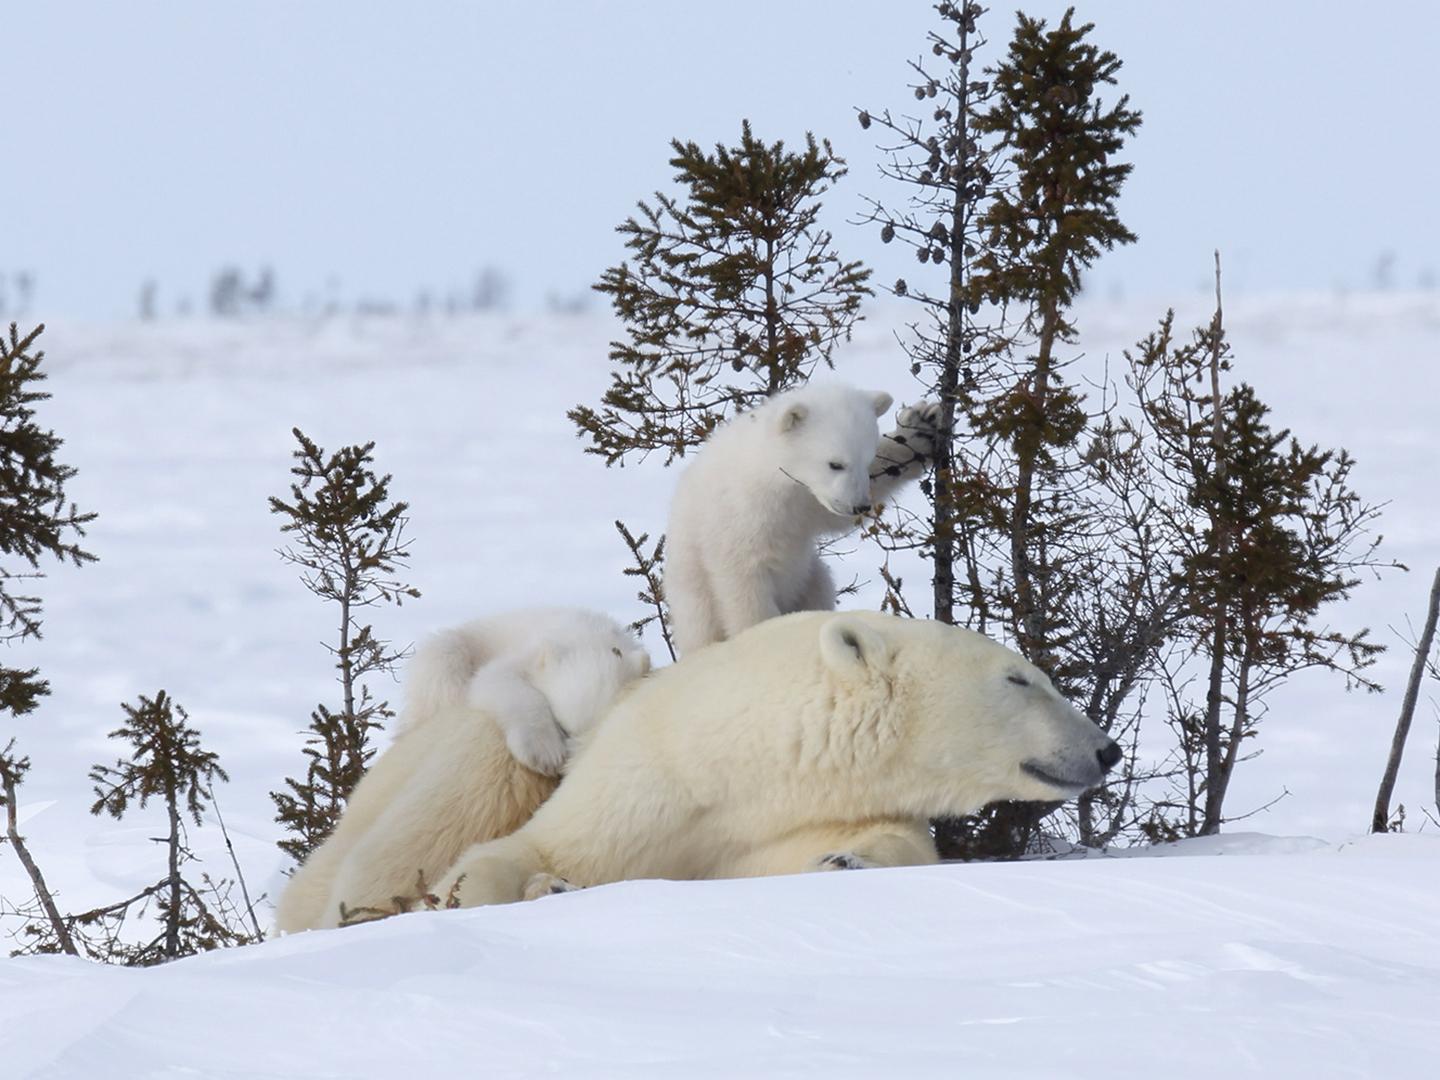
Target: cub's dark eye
[[615, 650], [1018, 680], [837, 466]]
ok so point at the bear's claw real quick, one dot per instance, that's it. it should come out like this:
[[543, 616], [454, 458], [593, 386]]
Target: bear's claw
[[543, 884], [843, 860], [920, 425], [906, 450]]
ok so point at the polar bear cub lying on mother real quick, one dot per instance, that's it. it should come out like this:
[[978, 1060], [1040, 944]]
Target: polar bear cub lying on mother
[[491, 709], [812, 741]]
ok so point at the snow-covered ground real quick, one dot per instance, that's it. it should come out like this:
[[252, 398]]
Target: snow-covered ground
[[181, 430], [1271, 961]]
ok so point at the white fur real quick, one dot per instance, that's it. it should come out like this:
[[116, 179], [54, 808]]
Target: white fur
[[809, 742], [487, 703], [741, 542], [539, 672]]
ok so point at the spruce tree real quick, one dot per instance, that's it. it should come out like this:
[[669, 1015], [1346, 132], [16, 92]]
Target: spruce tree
[[949, 175], [735, 292], [1043, 229], [166, 763], [37, 523], [1049, 581], [1012, 196], [1270, 532], [349, 544]]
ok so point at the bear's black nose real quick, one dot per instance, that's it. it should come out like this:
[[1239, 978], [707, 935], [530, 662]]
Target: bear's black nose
[[1109, 755]]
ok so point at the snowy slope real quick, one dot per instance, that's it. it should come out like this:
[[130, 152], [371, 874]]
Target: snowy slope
[[1262, 963]]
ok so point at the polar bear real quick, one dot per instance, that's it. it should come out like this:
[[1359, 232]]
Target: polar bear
[[748, 511], [491, 709], [539, 672], [812, 741]]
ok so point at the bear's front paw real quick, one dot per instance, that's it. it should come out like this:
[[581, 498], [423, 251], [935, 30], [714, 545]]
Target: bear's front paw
[[918, 427], [843, 860], [543, 884], [542, 748], [905, 452]]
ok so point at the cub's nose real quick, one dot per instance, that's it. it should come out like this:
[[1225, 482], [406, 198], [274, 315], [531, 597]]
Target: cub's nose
[[1109, 755], [861, 510]]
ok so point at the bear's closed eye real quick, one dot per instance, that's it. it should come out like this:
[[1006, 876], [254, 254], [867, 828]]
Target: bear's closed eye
[[1018, 680]]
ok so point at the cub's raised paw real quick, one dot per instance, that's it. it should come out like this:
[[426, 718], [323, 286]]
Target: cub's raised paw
[[543, 884], [843, 860], [905, 452], [917, 426]]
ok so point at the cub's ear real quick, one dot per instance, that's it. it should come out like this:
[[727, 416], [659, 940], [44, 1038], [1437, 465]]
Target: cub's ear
[[882, 401], [793, 417], [851, 648]]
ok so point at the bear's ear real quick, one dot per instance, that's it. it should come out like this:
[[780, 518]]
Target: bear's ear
[[851, 648], [793, 417], [882, 401]]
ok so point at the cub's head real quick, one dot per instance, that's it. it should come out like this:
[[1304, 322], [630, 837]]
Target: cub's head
[[976, 722], [582, 669], [829, 436]]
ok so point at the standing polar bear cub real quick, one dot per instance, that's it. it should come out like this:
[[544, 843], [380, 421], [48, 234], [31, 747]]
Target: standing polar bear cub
[[764, 487], [491, 710], [809, 742]]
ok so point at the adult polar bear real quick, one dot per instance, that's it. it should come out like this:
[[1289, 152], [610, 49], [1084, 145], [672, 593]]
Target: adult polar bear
[[811, 741], [740, 545], [491, 709]]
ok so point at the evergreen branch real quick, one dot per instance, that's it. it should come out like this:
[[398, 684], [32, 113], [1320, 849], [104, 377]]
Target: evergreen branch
[[648, 568]]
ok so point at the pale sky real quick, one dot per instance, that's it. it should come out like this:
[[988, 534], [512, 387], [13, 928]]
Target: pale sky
[[391, 147]]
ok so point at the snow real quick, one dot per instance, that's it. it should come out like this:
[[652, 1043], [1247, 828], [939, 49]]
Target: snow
[[1267, 961], [1314, 955]]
